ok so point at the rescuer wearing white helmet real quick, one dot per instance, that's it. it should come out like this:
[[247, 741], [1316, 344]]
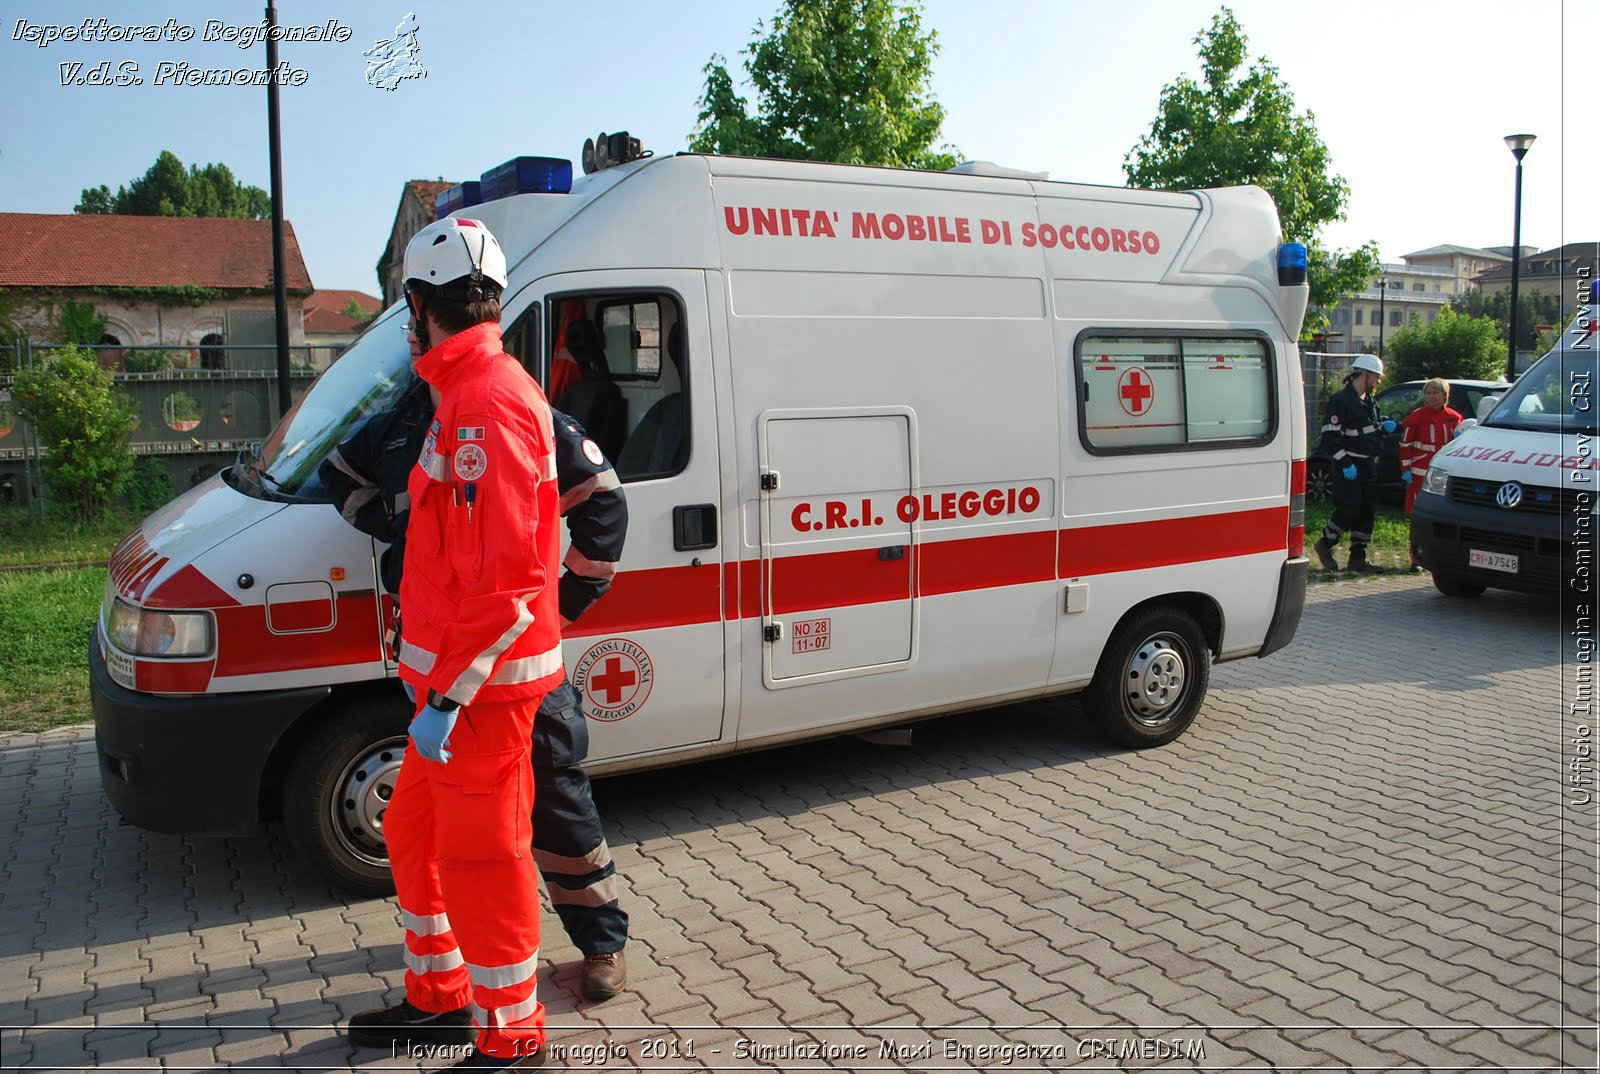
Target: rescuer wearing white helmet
[[481, 647], [1352, 438]]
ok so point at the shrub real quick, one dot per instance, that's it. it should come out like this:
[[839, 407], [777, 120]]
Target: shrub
[[147, 361], [1453, 346], [83, 423], [148, 484]]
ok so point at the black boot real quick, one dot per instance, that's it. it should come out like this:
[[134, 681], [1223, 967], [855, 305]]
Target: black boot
[[1359, 564], [403, 1025], [482, 1062], [1324, 552]]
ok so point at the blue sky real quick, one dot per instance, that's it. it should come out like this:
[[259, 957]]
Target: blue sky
[[1412, 99]]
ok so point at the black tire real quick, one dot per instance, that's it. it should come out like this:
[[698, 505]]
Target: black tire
[[1319, 482], [1454, 585], [337, 786], [1151, 680]]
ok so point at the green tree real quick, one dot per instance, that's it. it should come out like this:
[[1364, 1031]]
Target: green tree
[[1239, 127], [83, 423], [353, 310], [168, 189], [1534, 308], [835, 80], [1453, 346]]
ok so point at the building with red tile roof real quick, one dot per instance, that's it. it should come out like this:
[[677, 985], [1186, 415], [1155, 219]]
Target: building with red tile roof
[[329, 328], [166, 281]]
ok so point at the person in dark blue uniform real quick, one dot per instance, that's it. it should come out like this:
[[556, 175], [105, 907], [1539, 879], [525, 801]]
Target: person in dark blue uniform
[[1352, 438]]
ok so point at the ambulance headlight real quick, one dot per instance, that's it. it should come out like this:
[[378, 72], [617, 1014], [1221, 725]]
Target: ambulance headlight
[[1437, 481], [149, 632]]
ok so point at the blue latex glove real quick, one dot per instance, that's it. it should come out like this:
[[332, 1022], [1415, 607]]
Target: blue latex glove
[[1407, 476], [411, 692], [1350, 472], [1389, 426], [430, 733]]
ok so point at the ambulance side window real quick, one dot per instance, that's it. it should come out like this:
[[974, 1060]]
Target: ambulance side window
[[1143, 392], [521, 341], [620, 368]]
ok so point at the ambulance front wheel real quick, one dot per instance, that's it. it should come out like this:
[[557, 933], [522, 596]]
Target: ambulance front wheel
[[1151, 680], [338, 790]]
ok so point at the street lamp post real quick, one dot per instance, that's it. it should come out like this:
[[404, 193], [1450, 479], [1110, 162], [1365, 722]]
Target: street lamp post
[[1519, 144], [1383, 289]]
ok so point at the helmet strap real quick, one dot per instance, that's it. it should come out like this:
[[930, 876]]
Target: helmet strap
[[419, 319]]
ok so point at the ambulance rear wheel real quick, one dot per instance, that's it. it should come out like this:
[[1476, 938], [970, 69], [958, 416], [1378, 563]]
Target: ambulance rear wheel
[[338, 790], [1151, 680]]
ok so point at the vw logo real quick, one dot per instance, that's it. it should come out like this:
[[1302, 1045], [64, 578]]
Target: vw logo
[[1509, 496]]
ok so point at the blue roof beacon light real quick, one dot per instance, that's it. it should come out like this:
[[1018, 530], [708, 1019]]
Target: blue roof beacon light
[[1291, 264], [527, 175], [456, 198]]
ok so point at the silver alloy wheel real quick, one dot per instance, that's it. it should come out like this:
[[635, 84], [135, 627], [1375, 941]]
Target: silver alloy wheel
[[1157, 679], [361, 797]]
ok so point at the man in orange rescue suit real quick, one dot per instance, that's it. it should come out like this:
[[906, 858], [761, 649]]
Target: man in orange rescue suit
[[482, 647]]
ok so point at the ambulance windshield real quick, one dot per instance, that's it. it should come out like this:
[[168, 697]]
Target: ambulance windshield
[[367, 379], [1556, 395]]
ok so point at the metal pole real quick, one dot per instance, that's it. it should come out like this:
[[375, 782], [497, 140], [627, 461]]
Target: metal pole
[[1516, 257], [1383, 290], [280, 287]]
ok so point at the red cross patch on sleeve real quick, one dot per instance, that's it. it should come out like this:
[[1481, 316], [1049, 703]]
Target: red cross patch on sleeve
[[471, 462]]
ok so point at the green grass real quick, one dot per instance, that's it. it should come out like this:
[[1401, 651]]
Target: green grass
[[1391, 538], [62, 537], [45, 618]]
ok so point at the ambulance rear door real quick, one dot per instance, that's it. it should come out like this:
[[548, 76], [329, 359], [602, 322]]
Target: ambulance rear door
[[628, 354]]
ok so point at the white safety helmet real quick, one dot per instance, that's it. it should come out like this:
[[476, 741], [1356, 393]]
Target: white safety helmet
[[455, 250], [1364, 363]]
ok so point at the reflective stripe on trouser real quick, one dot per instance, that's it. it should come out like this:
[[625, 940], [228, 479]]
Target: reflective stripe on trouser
[[458, 835], [1354, 504], [568, 842], [436, 974]]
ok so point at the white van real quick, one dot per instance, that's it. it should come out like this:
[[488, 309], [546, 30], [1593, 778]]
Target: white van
[[895, 444], [1510, 503]]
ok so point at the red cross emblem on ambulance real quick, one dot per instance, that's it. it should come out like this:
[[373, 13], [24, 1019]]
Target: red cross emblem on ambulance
[[1135, 392], [615, 676]]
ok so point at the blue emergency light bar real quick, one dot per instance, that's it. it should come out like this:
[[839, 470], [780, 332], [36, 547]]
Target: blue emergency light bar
[[527, 175], [1291, 264], [456, 198]]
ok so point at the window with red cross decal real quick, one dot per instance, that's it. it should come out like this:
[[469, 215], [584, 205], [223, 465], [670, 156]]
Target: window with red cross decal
[[1155, 391], [1132, 391]]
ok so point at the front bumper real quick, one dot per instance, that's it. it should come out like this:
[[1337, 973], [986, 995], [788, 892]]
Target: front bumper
[[189, 765], [1445, 532]]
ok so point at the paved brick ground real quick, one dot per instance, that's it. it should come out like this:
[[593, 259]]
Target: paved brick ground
[[1363, 855]]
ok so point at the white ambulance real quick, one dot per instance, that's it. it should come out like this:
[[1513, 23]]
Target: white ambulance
[[895, 444], [1511, 503]]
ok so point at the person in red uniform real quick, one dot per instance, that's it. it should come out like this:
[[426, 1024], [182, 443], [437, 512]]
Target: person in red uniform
[[481, 649], [1422, 433]]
